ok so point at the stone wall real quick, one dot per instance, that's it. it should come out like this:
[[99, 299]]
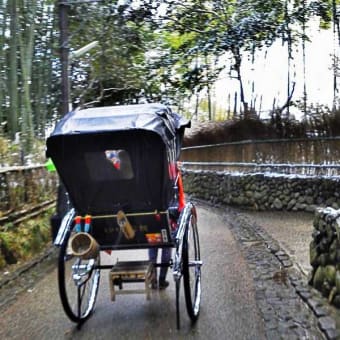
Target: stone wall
[[23, 187], [325, 254], [264, 192], [296, 193]]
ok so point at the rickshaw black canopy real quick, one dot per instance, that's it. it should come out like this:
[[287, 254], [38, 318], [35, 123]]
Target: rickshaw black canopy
[[150, 117], [117, 158]]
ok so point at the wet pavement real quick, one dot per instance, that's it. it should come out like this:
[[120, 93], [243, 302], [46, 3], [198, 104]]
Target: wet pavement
[[254, 287], [293, 230], [276, 245], [228, 311], [276, 280]]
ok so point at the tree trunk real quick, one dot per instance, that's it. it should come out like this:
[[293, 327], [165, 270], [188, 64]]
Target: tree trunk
[[197, 104], [335, 65], [229, 107], [289, 58], [237, 65], [304, 60], [235, 105], [208, 67], [2, 61], [13, 70], [209, 102], [28, 12], [64, 57]]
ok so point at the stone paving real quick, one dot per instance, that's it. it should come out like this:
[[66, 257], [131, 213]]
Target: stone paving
[[290, 308]]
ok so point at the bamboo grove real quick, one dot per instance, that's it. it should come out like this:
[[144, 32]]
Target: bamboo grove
[[166, 51]]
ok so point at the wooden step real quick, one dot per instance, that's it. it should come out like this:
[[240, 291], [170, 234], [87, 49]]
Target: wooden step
[[125, 272]]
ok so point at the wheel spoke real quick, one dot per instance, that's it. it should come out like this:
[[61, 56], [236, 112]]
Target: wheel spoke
[[78, 283], [192, 268]]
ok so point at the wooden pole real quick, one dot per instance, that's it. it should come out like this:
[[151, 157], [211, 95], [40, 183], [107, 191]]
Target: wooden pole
[[64, 56]]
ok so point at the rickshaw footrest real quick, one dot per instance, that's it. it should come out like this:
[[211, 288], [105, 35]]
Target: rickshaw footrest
[[125, 272]]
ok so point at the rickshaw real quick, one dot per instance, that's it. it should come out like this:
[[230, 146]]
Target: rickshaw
[[118, 165]]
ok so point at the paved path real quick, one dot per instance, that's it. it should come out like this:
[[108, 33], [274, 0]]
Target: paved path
[[292, 229], [254, 287], [229, 303], [277, 284]]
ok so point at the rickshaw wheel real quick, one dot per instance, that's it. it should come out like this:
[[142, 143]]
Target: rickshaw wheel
[[192, 268], [78, 283]]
